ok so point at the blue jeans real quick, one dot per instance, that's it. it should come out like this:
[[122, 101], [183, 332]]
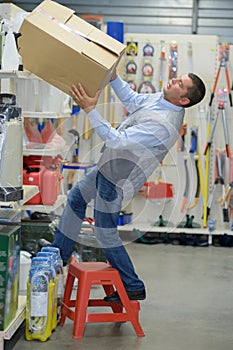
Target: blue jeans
[[108, 201]]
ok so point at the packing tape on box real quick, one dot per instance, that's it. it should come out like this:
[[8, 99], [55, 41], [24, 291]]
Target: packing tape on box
[[64, 26]]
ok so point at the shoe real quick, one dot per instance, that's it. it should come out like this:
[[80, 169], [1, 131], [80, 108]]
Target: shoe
[[136, 295]]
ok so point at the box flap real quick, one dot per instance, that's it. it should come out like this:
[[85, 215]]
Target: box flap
[[50, 29], [76, 25], [106, 41], [54, 48], [95, 35], [80, 25], [99, 55], [54, 9]]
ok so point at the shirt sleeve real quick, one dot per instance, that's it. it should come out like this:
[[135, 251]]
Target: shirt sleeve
[[148, 134], [131, 99]]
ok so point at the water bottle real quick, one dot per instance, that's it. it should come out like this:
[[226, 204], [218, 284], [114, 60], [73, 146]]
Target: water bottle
[[39, 305], [54, 277], [60, 274]]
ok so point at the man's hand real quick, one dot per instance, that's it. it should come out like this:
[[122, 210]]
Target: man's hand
[[80, 96], [114, 75]]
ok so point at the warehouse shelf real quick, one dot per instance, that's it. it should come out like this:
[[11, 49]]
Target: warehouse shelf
[[53, 152], [28, 192], [16, 322], [47, 208], [13, 74], [145, 227], [49, 115]]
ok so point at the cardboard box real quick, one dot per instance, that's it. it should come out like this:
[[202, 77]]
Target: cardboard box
[[9, 273], [64, 49]]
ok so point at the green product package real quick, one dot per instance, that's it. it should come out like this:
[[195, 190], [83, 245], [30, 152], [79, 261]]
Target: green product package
[[9, 273]]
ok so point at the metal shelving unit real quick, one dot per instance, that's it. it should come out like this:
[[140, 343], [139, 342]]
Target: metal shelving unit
[[47, 208], [29, 192], [145, 227], [14, 74], [53, 152], [16, 322]]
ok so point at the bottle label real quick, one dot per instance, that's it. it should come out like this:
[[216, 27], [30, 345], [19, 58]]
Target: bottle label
[[39, 304]]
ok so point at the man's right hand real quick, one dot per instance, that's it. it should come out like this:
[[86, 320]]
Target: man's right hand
[[114, 75], [80, 96]]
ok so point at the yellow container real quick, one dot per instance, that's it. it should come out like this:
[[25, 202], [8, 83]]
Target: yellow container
[[39, 312]]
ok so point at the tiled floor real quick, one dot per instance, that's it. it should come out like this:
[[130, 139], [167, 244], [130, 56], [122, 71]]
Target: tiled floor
[[189, 304]]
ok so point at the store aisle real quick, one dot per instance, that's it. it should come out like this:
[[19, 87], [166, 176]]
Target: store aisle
[[189, 304]]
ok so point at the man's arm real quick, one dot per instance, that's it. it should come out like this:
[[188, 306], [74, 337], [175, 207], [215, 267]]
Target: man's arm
[[131, 99], [150, 134]]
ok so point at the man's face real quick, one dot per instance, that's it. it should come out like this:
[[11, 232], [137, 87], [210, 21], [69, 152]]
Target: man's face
[[176, 89]]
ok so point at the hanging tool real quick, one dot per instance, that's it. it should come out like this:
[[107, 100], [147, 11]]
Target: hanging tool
[[210, 130], [86, 129], [173, 60], [209, 136], [112, 108], [106, 101], [228, 199], [183, 133], [195, 158], [223, 58], [162, 64], [227, 196], [190, 56], [225, 127], [219, 180], [221, 108], [75, 133]]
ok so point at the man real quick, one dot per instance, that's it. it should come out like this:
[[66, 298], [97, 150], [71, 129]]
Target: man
[[129, 156]]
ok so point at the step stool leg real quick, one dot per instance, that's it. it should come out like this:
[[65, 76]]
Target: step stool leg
[[67, 295], [135, 320], [108, 288], [116, 307], [131, 307], [81, 305]]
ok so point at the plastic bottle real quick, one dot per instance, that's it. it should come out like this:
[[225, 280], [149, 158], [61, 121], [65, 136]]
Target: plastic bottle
[[60, 274], [53, 258], [50, 183], [33, 175], [10, 56], [39, 305]]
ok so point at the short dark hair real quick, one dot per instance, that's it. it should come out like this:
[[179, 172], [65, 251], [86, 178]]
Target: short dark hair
[[196, 92]]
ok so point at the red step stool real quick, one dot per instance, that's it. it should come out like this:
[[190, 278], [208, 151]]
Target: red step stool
[[96, 273]]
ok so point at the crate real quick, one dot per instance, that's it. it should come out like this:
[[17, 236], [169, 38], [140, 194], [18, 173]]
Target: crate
[[32, 231]]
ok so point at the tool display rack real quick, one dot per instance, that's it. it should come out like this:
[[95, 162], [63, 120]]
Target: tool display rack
[[198, 54]]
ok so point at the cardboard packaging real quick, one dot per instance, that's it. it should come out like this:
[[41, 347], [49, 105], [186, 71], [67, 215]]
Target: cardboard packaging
[[63, 49], [9, 273]]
